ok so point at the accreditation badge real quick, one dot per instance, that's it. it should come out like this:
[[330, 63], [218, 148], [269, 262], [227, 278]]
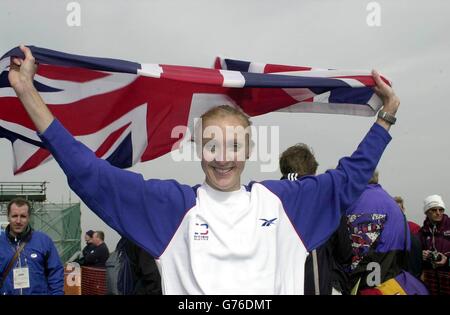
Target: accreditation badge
[[21, 278]]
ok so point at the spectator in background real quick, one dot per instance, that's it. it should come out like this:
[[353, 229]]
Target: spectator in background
[[132, 271], [415, 254], [148, 279], [29, 261], [435, 238], [435, 233], [413, 227], [89, 245], [99, 253], [380, 235], [86, 249], [324, 267]]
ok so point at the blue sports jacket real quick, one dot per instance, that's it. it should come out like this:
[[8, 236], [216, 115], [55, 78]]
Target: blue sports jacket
[[41, 257]]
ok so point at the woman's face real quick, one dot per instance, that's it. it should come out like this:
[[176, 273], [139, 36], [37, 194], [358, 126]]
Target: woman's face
[[435, 214], [225, 143]]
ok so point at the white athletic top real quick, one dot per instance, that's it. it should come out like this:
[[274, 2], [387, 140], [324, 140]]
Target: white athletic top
[[237, 242], [251, 241]]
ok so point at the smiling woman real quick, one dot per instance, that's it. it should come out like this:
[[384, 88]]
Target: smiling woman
[[225, 142], [219, 237]]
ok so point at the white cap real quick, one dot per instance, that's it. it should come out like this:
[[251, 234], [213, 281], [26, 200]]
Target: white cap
[[432, 202]]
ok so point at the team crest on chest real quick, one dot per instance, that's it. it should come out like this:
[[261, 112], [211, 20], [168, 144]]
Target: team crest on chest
[[201, 231]]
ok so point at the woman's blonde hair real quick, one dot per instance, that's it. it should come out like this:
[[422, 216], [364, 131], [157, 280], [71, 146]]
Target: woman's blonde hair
[[221, 111]]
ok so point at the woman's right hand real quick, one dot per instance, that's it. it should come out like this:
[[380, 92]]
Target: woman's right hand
[[22, 71]]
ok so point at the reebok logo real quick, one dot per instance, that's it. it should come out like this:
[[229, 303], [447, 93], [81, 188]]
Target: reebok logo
[[268, 222]]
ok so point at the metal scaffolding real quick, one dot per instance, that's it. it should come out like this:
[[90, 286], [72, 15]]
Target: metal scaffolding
[[32, 191]]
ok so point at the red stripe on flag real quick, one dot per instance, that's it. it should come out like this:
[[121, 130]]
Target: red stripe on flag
[[106, 145], [269, 68], [167, 110], [37, 158], [99, 111], [217, 64], [12, 110], [192, 74], [258, 101]]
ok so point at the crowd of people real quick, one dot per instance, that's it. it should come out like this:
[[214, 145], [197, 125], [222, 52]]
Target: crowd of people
[[374, 229], [338, 232]]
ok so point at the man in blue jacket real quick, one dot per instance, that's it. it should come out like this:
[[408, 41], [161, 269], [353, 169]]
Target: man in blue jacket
[[36, 269]]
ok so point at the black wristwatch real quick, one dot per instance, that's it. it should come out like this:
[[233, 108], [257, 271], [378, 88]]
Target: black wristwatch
[[390, 119]]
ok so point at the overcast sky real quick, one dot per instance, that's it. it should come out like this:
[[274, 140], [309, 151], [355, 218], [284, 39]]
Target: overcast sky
[[411, 46]]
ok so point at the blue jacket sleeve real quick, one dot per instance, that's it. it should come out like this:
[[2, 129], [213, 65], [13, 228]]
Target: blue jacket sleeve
[[315, 204], [145, 211], [55, 271]]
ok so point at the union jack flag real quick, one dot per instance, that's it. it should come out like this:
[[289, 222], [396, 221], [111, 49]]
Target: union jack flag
[[125, 111]]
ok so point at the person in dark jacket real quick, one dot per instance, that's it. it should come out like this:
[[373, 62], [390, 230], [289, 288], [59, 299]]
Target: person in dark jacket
[[415, 254], [89, 245], [413, 227], [37, 269], [147, 280], [380, 234], [99, 254], [130, 270], [435, 238], [324, 267], [86, 249], [435, 234]]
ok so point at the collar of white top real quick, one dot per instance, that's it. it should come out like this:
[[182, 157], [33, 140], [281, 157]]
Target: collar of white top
[[223, 194]]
